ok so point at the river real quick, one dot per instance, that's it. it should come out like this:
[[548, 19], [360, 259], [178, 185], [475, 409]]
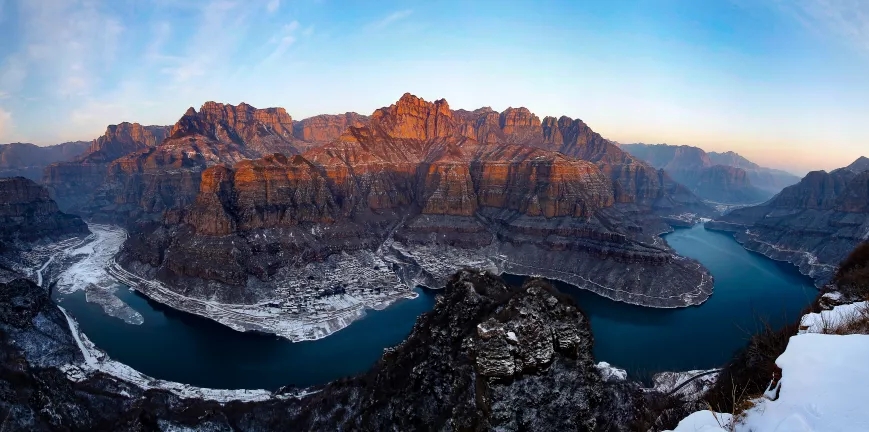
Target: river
[[180, 347]]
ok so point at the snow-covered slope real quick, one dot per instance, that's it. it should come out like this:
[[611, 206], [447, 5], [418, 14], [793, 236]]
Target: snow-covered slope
[[824, 385]]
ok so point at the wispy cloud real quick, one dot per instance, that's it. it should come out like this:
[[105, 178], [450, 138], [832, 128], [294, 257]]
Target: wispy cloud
[[13, 71], [5, 125], [846, 20], [281, 42], [389, 19], [68, 43], [273, 6]]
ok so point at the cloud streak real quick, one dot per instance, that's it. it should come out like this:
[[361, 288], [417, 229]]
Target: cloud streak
[[847, 20], [389, 20], [273, 6]]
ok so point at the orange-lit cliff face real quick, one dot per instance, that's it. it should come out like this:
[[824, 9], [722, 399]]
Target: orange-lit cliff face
[[415, 184], [410, 154]]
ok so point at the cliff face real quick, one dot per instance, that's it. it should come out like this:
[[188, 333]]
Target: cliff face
[[124, 138], [813, 224], [323, 129], [28, 160], [488, 357], [717, 177], [28, 215], [146, 183], [413, 189], [72, 182]]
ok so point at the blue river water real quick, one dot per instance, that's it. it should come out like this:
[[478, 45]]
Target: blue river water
[[177, 346]]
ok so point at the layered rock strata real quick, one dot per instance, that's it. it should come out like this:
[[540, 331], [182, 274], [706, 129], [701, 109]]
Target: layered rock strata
[[488, 357], [408, 200], [323, 129], [813, 224], [146, 183], [71, 183]]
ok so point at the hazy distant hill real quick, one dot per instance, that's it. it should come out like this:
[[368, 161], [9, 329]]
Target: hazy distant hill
[[28, 160], [719, 177]]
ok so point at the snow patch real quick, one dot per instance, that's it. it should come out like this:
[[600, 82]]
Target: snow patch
[[831, 319], [823, 388], [610, 372]]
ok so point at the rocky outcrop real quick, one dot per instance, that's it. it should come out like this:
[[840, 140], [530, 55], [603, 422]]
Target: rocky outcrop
[[323, 129], [768, 179], [813, 224], [71, 183], [487, 357], [146, 183], [726, 178], [29, 160], [122, 139], [28, 216], [411, 190]]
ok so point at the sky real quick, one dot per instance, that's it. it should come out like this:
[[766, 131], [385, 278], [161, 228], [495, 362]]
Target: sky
[[783, 82]]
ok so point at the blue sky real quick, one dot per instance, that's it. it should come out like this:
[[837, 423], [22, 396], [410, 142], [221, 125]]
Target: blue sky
[[784, 82]]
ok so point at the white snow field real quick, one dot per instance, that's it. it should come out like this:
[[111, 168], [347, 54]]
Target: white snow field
[[824, 385]]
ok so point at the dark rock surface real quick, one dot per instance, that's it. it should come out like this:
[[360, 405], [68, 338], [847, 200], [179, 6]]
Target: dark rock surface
[[28, 216], [487, 357], [813, 224], [29, 160], [718, 177]]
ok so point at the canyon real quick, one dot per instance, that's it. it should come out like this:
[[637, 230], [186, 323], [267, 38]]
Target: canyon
[[485, 353], [725, 178], [813, 224], [416, 193]]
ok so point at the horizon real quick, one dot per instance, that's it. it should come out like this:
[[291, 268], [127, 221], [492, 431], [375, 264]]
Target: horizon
[[790, 76]]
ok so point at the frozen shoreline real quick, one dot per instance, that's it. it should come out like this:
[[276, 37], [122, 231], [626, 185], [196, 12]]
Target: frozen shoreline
[[95, 360], [262, 317]]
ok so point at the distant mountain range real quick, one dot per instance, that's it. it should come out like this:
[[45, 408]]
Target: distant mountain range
[[717, 177], [29, 160], [813, 224]]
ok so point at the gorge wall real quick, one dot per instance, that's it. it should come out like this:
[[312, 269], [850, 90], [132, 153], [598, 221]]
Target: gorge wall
[[29, 216], [422, 191], [813, 224]]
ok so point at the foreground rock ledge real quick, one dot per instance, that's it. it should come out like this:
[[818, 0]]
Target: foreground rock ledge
[[487, 357]]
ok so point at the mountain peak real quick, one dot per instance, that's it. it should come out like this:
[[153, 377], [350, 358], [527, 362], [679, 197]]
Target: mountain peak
[[859, 165]]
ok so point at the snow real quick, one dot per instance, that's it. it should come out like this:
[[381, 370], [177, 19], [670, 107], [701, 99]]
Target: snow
[[669, 382], [84, 269], [97, 360], [824, 387], [610, 372], [831, 319], [512, 336], [704, 421]]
